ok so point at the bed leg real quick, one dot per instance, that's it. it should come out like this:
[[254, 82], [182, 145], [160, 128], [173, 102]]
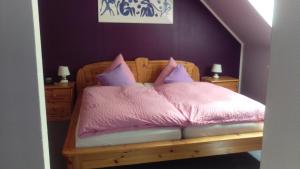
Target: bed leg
[[69, 166], [73, 163], [76, 163], [69, 163]]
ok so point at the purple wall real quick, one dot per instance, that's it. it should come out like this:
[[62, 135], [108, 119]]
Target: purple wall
[[72, 36]]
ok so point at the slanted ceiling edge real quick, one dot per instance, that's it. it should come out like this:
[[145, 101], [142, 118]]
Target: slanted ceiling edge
[[222, 22]]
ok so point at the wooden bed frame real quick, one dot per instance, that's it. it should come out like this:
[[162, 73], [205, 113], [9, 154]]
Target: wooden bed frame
[[145, 70]]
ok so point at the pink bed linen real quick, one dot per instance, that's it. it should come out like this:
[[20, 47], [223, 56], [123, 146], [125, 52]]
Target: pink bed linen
[[205, 103], [106, 109]]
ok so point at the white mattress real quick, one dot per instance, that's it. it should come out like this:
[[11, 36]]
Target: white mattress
[[214, 130], [129, 137]]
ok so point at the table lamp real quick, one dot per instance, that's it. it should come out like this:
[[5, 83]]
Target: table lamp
[[63, 71], [216, 69]]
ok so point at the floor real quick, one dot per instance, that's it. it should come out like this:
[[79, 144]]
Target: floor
[[57, 132]]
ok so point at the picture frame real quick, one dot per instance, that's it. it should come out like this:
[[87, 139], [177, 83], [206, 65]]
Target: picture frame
[[136, 11]]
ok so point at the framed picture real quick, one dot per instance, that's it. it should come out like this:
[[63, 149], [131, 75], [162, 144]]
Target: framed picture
[[136, 11]]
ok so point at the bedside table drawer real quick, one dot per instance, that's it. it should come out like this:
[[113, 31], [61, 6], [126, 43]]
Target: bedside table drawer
[[58, 95], [228, 82], [231, 86], [58, 110], [59, 101]]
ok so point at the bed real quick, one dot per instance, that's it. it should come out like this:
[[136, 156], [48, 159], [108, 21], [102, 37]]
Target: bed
[[146, 70]]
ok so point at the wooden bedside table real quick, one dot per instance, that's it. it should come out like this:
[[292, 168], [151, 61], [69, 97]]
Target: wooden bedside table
[[224, 81], [59, 101]]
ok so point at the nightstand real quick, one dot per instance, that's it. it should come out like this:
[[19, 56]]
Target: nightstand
[[224, 81], [59, 101]]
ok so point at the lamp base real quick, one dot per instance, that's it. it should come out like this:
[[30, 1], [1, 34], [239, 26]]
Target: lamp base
[[64, 81], [216, 76]]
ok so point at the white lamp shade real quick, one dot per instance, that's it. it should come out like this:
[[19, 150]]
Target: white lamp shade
[[216, 68], [63, 71]]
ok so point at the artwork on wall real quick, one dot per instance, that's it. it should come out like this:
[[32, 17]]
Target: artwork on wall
[[136, 11]]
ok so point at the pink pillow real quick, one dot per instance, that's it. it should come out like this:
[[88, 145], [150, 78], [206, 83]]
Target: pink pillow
[[120, 60], [165, 72]]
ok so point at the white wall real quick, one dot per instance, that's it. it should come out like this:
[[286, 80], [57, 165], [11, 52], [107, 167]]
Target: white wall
[[23, 130], [281, 148]]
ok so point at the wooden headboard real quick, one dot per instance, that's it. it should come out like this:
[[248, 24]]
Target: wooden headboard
[[144, 70]]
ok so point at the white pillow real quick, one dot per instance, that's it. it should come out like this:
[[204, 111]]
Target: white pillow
[[148, 84], [139, 84]]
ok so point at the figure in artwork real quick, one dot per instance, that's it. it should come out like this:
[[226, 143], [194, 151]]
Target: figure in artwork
[[147, 8], [109, 4], [165, 8], [126, 9]]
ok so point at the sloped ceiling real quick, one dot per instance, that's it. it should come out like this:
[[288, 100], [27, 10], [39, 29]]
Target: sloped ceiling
[[243, 19]]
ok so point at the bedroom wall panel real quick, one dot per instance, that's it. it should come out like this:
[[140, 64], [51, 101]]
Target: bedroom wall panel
[[72, 36], [255, 72], [23, 125], [281, 145]]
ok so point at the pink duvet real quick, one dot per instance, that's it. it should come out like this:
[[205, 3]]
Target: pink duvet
[[109, 109], [204, 103]]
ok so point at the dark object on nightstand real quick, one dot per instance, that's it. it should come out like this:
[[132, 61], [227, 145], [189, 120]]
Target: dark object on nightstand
[[48, 80], [59, 101], [224, 81]]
